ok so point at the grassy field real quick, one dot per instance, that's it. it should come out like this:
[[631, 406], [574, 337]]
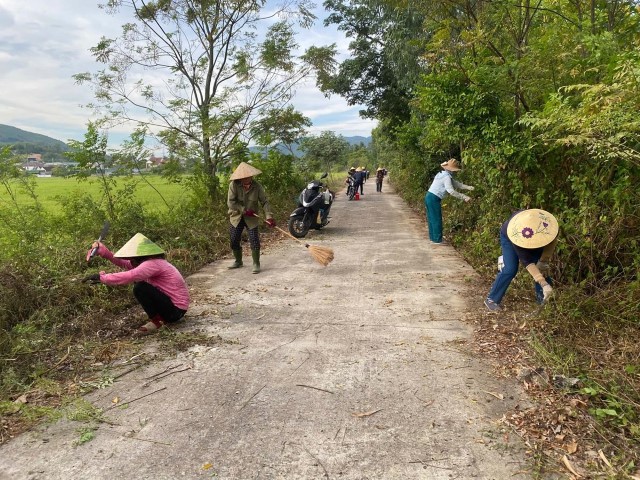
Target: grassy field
[[50, 191]]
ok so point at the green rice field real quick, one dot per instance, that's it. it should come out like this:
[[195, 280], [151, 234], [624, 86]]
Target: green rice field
[[50, 191]]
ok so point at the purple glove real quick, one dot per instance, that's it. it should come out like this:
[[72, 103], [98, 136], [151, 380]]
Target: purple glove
[[271, 222], [249, 213]]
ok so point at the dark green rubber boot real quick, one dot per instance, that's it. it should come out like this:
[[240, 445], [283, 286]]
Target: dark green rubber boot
[[238, 263], [255, 254]]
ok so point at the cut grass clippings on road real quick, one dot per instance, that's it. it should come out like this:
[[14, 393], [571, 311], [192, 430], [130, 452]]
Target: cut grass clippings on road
[[567, 420], [365, 414]]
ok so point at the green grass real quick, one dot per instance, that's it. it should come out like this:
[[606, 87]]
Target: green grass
[[51, 190]]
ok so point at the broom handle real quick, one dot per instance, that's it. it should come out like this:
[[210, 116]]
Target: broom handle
[[285, 232]]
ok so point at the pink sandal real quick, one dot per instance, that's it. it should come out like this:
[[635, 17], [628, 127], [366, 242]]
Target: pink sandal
[[150, 327]]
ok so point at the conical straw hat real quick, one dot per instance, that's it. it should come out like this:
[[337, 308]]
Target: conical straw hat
[[244, 170], [533, 228], [452, 165], [138, 246]]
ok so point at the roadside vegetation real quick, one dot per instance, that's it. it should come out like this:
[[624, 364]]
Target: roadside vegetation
[[540, 102], [57, 334]]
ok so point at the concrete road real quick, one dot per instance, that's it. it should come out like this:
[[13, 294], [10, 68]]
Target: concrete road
[[354, 371]]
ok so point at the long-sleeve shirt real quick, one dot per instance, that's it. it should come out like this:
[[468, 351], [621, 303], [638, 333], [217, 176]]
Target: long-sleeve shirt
[[157, 272], [238, 201], [444, 183]]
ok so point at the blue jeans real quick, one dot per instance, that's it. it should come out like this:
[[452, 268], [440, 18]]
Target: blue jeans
[[508, 273], [434, 216]]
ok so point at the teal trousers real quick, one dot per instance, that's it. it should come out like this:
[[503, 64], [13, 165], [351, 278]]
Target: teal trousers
[[434, 216]]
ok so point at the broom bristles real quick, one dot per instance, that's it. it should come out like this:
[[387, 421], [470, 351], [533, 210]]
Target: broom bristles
[[322, 255]]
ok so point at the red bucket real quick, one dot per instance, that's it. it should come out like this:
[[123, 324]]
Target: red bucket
[[357, 196]]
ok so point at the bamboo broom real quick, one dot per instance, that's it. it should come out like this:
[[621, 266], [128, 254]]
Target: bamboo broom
[[322, 255]]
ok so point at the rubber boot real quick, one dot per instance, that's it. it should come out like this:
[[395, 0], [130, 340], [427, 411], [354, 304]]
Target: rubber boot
[[255, 254], [238, 263]]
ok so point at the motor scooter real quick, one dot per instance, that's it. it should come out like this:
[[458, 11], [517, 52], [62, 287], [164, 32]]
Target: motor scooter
[[351, 188], [314, 204]]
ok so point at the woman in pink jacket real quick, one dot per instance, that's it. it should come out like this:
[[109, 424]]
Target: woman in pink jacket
[[157, 284]]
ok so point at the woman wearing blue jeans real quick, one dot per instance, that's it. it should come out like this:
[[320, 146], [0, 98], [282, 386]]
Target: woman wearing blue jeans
[[442, 184], [528, 237]]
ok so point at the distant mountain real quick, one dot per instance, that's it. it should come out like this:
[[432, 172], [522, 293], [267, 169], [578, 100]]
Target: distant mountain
[[25, 143], [12, 135], [357, 140], [52, 149], [353, 141]]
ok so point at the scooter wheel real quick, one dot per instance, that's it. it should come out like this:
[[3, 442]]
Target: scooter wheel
[[297, 227]]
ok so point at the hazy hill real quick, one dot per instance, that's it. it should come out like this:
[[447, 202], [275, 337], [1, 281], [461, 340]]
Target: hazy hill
[[353, 141], [12, 135], [357, 140], [23, 143]]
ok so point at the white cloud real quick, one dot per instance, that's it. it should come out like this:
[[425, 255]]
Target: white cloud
[[44, 42]]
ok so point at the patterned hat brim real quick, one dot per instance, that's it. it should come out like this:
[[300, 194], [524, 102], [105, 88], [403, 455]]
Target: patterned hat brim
[[533, 228]]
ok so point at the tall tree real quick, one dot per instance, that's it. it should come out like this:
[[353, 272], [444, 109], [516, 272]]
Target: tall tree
[[325, 150], [386, 43], [280, 126], [199, 72]]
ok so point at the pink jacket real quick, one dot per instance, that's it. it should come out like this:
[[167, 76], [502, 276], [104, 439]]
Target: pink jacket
[[157, 272]]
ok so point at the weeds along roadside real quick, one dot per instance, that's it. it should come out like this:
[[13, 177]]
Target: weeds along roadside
[[592, 334], [589, 334], [591, 331], [53, 327]]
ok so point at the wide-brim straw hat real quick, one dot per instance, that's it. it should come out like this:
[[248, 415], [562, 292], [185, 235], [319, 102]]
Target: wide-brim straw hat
[[452, 165], [358, 169], [244, 170], [138, 246], [379, 168], [533, 228]]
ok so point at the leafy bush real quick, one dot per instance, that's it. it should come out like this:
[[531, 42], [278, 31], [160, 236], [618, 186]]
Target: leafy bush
[[44, 308]]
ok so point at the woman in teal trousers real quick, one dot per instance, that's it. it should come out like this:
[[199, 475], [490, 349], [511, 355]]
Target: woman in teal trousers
[[443, 184]]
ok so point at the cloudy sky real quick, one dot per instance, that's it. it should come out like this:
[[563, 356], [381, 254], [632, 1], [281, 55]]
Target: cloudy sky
[[44, 42]]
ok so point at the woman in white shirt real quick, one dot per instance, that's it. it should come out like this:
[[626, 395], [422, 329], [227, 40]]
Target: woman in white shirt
[[442, 184]]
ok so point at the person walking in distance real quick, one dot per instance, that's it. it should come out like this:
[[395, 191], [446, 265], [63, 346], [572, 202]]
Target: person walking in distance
[[443, 184], [244, 197], [359, 177], [379, 179]]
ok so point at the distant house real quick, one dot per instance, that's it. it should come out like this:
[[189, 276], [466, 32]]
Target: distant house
[[155, 162], [34, 164]]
